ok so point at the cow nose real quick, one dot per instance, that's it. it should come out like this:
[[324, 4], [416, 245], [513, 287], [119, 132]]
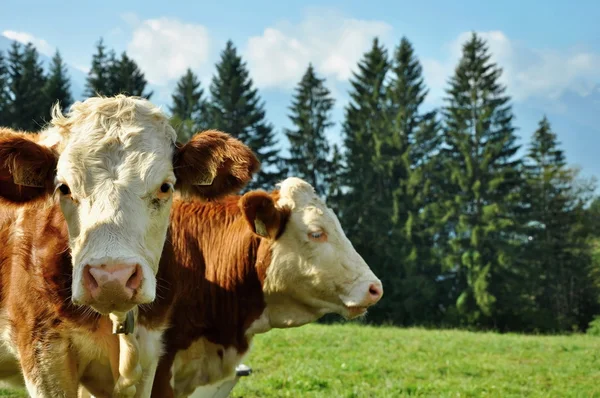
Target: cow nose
[[375, 293], [125, 278]]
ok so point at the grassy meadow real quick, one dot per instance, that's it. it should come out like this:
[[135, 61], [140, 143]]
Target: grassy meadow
[[359, 361]]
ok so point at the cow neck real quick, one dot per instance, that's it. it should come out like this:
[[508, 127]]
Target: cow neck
[[220, 268]]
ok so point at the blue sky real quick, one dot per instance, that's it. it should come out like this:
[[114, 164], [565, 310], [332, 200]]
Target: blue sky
[[550, 50]]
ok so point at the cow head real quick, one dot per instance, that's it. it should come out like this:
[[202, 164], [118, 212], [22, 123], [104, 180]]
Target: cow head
[[313, 263], [113, 165]]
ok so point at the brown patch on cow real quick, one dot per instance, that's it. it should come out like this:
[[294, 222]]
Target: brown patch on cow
[[262, 215], [215, 256], [26, 168], [35, 291], [219, 268], [213, 164]]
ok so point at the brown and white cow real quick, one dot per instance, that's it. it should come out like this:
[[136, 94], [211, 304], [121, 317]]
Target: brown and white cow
[[112, 165], [244, 265], [230, 269]]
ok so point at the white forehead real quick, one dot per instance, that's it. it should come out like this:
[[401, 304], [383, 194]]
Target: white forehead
[[303, 200], [296, 193], [124, 139]]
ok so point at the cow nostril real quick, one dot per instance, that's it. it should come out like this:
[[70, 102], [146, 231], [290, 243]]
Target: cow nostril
[[135, 279], [374, 291], [89, 279]]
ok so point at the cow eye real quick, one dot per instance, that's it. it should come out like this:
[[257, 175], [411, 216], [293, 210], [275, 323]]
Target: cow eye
[[64, 189], [166, 187], [318, 236], [164, 190]]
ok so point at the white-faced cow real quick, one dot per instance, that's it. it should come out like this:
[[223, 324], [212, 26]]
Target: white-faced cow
[[244, 265], [112, 165]]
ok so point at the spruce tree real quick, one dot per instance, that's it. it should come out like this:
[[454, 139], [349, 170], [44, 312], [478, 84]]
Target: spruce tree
[[113, 76], [359, 208], [4, 94], [311, 117], [15, 77], [126, 77], [592, 215], [57, 86], [334, 179], [236, 108], [110, 75], [28, 106], [98, 80], [558, 254], [406, 152], [483, 200], [189, 109]]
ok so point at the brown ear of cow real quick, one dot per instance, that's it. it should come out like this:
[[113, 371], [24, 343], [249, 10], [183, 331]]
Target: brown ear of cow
[[261, 214], [26, 169], [213, 164]]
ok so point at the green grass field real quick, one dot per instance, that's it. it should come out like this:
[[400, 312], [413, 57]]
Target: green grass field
[[357, 361]]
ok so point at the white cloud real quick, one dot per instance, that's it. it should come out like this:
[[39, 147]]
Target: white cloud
[[22, 37], [527, 72], [333, 43], [164, 48], [84, 68]]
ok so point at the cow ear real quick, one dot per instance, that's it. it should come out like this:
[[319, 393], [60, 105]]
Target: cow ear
[[213, 164], [261, 214], [27, 169]]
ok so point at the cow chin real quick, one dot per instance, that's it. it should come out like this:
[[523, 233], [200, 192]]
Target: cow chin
[[353, 312], [113, 301]]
